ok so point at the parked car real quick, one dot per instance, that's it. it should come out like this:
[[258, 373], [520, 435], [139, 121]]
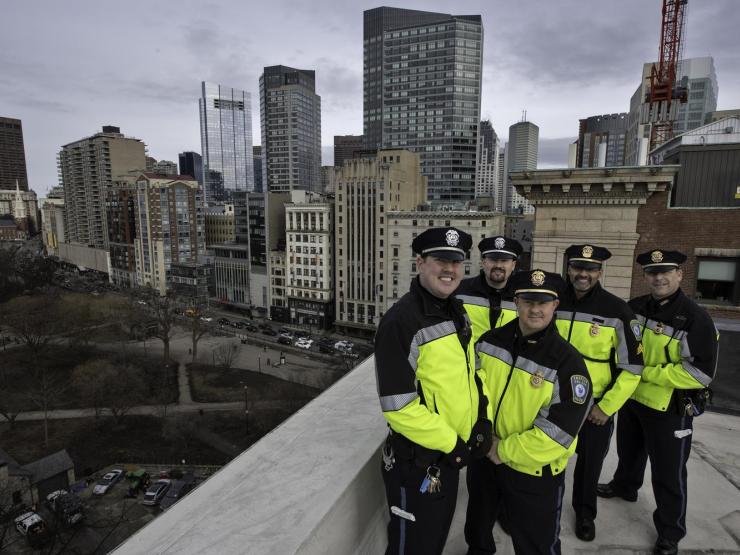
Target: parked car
[[224, 321], [138, 480], [67, 507], [206, 319], [178, 489], [326, 348], [249, 326], [238, 325], [343, 346], [304, 334], [285, 339], [156, 492], [33, 528], [269, 331], [304, 343], [286, 331], [108, 481]]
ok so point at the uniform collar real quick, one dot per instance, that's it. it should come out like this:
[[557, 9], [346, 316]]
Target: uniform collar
[[433, 306], [664, 308], [483, 285], [587, 297], [524, 342]]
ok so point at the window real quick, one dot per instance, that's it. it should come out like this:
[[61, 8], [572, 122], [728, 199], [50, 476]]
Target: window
[[716, 281]]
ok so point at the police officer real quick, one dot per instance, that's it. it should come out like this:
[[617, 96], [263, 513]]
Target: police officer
[[680, 346], [606, 333], [488, 300], [540, 394], [430, 395]]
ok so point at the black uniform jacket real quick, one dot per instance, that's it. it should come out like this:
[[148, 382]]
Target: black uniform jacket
[[680, 345], [425, 367]]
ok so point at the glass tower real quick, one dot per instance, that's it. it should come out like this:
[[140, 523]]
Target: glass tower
[[422, 89], [226, 142]]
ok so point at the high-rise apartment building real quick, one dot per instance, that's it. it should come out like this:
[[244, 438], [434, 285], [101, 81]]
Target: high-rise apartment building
[[486, 175], [12, 155], [601, 141], [422, 87], [226, 141], [120, 206], [191, 163], [309, 227], [290, 113], [165, 167], [345, 147], [259, 183], [699, 78], [219, 224], [170, 226], [522, 150], [87, 168], [366, 190]]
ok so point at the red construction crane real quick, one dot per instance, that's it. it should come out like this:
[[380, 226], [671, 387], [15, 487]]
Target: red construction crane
[[663, 87]]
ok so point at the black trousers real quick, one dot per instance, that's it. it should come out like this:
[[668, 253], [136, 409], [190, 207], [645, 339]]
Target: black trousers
[[592, 447], [419, 522], [533, 507], [644, 433]]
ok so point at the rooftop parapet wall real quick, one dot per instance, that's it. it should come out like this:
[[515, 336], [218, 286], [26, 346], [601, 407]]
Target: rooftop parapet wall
[[590, 205]]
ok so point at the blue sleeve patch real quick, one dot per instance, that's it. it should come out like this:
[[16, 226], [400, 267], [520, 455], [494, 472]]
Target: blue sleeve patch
[[580, 387]]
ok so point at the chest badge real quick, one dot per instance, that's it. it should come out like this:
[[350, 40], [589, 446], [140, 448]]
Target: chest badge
[[537, 379], [659, 328], [595, 329]]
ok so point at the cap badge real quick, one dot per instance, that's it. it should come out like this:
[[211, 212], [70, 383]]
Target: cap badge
[[499, 243], [452, 237], [538, 278], [656, 256], [587, 251], [537, 379]]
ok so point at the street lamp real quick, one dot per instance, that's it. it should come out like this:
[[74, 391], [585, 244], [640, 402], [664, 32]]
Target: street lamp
[[246, 408]]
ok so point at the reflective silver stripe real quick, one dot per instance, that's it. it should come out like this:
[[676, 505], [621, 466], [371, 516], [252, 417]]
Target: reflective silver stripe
[[496, 352], [635, 369], [532, 368], [623, 355], [640, 318], [508, 305], [477, 301], [554, 432], [695, 373], [564, 315], [397, 402], [554, 400], [426, 335]]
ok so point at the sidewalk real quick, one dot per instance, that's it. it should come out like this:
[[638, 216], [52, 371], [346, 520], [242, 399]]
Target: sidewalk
[[713, 515]]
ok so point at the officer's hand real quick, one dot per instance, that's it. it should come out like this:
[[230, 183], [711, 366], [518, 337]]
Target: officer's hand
[[481, 438], [493, 451], [459, 456], [597, 416]]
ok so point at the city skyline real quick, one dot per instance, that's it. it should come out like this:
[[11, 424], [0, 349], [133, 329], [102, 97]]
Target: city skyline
[[555, 60]]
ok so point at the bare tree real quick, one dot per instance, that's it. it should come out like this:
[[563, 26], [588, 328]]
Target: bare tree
[[86, 378], [45, 390], [162, 310], [194, 319], [124, 389], [12, 386], [226, 354]]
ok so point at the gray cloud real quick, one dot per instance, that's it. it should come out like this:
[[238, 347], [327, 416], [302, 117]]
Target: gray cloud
[[553, 153]]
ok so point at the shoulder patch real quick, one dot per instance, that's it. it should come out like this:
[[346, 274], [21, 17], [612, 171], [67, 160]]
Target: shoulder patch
[[579, 386], [636, 329]]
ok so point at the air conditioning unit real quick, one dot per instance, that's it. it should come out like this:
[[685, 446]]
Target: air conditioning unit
[[729, 129]]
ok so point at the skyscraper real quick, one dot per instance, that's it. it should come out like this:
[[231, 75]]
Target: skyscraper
[[226, 141], [345, 147], [486, 179], [605, 132], [700, 79], [191, 163], [422, 86], [259, 184], [522, 150], [87, 169], [12, 155], [290, 113]]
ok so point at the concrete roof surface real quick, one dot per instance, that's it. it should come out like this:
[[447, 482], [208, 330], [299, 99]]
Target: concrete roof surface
[[713, 513]]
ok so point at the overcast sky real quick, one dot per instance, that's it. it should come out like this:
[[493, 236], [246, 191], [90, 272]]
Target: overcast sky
[[69, 67]]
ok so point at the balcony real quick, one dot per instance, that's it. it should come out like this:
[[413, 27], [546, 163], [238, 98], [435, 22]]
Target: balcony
[[313, 486]]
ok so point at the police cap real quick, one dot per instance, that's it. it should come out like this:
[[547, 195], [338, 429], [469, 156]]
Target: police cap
[[660, 260], [500, 248], [443, 242], [537, 285], [589, 257]]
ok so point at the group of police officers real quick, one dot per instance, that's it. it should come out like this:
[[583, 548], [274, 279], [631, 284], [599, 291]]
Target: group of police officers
[[512, 373]]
